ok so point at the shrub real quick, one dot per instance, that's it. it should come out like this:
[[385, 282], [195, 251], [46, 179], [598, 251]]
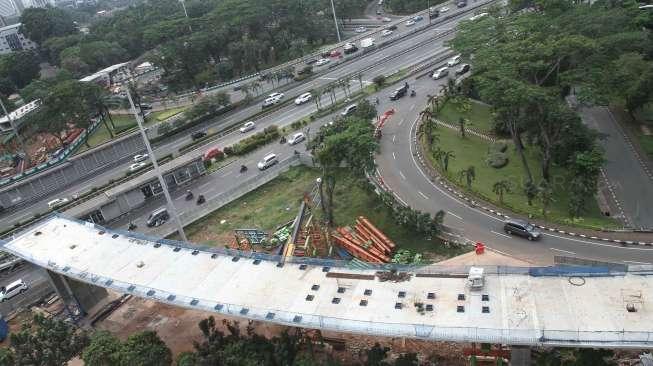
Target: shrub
[[379, 81], [497, 159], [163, 128], [296, 125], [258, 139], [228, 150]]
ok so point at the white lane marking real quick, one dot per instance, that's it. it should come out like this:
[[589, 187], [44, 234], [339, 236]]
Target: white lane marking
[[412, 107], [393, 138], [563, 251], [204, 185], [227, 174], [402, 175], [598, 244], [393, 155], [504, 235], [454, 215], [422, 194], [402, 121], [634, 262]]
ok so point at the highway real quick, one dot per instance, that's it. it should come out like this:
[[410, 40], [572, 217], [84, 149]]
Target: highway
[[398, 55]]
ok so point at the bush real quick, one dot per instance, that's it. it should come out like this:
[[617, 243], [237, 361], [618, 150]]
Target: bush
[[259, 139], [497, 159], [228, 150], [163, 128], [296, 125], [379, 81]]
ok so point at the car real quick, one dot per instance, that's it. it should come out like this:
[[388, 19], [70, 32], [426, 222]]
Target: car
[[322, 61], [463, 69], [410, 23], [140, 157], [276, 95], [522, 228], [386, 32], [58, 202], [454, 61], [440, 73], [418, 18], [310, 61], [13, 289], [248, 126], [158, 217], [267, 161], [444, 9], [349, 48], [379, 12], [272, 99], [335, 53], [399, 92], [325, 54], [136, 166], [360, 30], [349, 110], [461, 4], [198, 135], [296, 138], [386, 20], [392, 27], [306, 97]]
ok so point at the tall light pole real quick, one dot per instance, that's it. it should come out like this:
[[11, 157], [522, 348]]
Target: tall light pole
[[335, 20], [157, 171], [183, 5], [14, 127]]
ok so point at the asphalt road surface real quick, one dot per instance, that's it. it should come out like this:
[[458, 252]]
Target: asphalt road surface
[[35, 279], [385, 61]]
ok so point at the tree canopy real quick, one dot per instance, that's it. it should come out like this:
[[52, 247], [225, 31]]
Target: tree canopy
[[39, 24], [17, 69]]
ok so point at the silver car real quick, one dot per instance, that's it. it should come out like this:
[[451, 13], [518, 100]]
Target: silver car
[[13, 289]]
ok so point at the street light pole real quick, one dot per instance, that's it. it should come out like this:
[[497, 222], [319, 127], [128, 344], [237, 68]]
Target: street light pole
[[335, 20], [14, 127], [157, 171], [183, 5]]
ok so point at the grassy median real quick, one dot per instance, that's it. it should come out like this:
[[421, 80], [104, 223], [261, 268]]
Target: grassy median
[[277, 202]]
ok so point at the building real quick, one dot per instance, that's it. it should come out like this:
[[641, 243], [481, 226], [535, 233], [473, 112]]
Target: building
[[12, 40], [13, 8], [110, 76], [18, 116]]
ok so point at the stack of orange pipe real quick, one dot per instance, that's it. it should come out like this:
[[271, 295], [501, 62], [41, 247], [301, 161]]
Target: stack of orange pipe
[[365, 242]]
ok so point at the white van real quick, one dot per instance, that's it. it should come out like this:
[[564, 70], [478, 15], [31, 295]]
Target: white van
[[13, 289], [158, 217], [440, 73], [57, 202], [268, 161]]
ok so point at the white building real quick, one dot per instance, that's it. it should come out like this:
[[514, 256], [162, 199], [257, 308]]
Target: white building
[[12, 40], [110, 76], [13, 8], [18, 116]]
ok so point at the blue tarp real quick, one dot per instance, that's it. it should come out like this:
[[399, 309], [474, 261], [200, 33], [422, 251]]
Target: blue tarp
[[584, 271]]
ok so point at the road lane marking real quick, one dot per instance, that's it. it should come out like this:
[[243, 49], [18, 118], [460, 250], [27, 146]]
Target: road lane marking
[[402, 121], [204, 185], [563, 251], [454, 215], [634, 262], [393, 138], [504, 235], [402, 175], [422, 194], [393, 155], [412, 107]]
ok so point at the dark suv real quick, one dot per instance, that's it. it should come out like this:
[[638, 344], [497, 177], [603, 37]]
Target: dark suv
[[521, 228], [399, 92]]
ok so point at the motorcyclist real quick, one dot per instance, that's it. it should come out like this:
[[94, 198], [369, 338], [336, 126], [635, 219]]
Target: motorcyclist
[[200, 199], [189, 195], [243, 168]]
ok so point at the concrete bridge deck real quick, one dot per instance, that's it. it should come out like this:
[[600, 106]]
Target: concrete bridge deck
[[527, 306]]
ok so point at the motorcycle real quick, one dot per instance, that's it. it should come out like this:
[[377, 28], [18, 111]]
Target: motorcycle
[[283, 140], [189, 195], [412, 93], [243, 168], [132, 226], [200, 199]]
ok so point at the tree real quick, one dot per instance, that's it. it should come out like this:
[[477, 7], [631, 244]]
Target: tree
[[39, 24], [501, 187], [7, 356], [379, 81], [584, 179], [545, 193], [47, 342], [462, 125], [427, 125], [102, 350], [145, 349], [19, 69], [407, 359], [376, 355], [469, 175]]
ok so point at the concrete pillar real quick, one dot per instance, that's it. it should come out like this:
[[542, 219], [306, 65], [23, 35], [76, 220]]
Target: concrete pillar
[[78, 294], [520, 356]]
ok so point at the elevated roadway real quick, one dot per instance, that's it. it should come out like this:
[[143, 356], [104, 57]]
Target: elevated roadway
[[573, 306]]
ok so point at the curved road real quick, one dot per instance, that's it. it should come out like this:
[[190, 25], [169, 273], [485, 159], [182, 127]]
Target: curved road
[[401, 172]]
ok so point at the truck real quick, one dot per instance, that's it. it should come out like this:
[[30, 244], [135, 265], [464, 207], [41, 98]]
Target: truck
[[367, 43]]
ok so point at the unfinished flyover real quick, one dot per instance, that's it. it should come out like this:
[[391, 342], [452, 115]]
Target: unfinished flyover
[[561, 306]]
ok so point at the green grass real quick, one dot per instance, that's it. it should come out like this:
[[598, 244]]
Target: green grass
[[277, 202], [479, 115], [101, 134], [473, 151], [646, 142], [165, 114]]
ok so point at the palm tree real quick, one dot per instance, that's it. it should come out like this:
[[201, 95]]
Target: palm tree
[[462, 124], [501, 187], [360, 79], [469, 175], [246, 89], [427, 122], [449, 90], [446, 157], [257, 87]]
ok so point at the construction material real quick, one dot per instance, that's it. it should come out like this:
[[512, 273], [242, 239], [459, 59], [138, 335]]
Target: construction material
[[365, 241], [393, 276], [350, 276]]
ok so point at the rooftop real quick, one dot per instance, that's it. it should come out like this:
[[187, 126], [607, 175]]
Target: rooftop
[[103, 72], [552, 305], [21, 111]]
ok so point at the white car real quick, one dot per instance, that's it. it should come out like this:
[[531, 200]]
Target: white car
[[454, 61], [268, 161], [248, 126], [386, 32], [136, 166], [322, 61], [386, 20], [13, 289], [278, 96], [360, 30], [272, 99], [57, 202], [410, 23], [444, 10], [306, 97], [296, 138], [440, 73], [140, 157]]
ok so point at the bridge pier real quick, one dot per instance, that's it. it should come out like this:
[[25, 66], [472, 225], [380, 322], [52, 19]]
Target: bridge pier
[[75, 294]]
